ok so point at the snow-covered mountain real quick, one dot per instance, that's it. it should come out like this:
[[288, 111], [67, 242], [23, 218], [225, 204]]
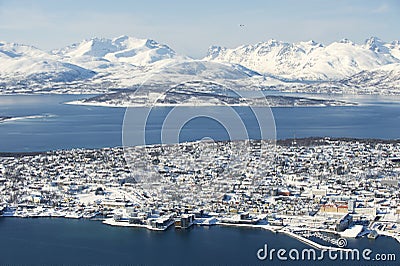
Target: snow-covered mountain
[[310, 60], [105, 64], [209, 70], [24, 62], [377, 45], [129, 61], [383, 79], [13, 50], [102, 65], [170, 72], [124, 49]]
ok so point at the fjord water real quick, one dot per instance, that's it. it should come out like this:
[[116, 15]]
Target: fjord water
[[81, 242], [59, 126]]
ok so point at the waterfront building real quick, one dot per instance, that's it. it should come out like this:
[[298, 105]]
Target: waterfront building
[[343, 223]]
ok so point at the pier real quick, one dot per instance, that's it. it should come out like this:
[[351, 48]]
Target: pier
[[312, 243]]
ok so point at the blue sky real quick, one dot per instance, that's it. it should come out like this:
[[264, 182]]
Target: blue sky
[[190, 27]]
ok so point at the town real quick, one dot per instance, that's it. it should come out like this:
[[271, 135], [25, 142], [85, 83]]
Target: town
[[348, 187]]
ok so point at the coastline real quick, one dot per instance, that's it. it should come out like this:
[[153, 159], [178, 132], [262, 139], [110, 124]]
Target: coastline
[[202, 104]]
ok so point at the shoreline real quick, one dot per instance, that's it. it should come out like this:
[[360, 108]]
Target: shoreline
[[305, 141], [110, 105]]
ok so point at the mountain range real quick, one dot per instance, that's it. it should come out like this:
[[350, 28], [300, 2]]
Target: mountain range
[[99, 64], [310, 60]]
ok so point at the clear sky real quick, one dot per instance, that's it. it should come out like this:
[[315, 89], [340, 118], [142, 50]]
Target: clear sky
[[190, 27]]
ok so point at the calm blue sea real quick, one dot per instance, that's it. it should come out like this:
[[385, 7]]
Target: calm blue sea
[[82, 242], [61, 126]]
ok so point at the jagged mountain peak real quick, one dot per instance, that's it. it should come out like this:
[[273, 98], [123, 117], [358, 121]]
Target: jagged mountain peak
[[308, 60], [346, 41], [373, 39], [377, 45], [122, 49], [272, 42], [395, 43]]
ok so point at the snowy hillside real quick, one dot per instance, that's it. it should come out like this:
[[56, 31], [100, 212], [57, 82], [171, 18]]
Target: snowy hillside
[[205, 69], [27, 62], [13, 50], [309, 60], [377, 45], [174, 71], [385, 79]]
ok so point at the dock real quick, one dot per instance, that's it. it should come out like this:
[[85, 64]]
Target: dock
[[312, 243]]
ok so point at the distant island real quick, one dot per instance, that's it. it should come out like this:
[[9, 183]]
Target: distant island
[[4, 118], [200, 93], [14, 118]]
